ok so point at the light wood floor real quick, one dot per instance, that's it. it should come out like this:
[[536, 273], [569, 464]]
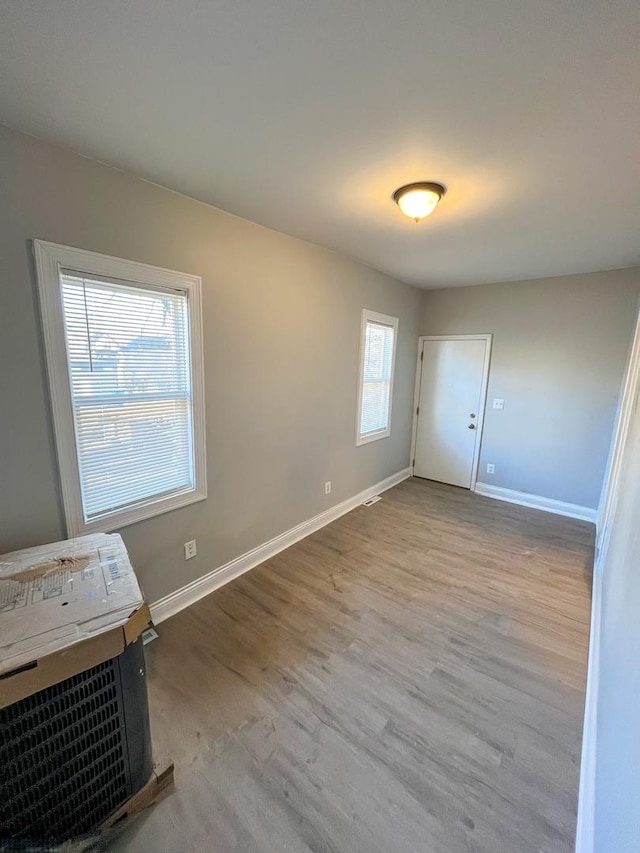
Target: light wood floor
[[410, 678]]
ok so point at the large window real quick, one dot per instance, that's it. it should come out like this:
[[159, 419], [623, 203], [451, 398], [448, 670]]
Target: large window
[[375, 388], [124, 356]]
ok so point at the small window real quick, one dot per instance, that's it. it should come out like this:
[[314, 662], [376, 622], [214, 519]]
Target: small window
[[377, 362], [124, 356]]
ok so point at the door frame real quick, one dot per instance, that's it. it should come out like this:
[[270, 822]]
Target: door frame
[[488, 338], [628, 404]]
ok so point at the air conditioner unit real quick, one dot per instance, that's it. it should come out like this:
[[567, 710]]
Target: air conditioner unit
[[74, 722]]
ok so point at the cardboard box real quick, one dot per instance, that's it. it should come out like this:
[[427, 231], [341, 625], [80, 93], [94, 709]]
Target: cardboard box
[[64, 608]]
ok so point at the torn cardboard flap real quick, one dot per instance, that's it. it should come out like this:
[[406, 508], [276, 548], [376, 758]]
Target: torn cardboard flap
[[57, 596]]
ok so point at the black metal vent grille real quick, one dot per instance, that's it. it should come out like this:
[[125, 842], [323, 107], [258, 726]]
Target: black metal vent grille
[[63, 757]]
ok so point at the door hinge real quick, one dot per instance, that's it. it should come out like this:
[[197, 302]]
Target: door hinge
[[422, 356], [418, 410], [413, 464]]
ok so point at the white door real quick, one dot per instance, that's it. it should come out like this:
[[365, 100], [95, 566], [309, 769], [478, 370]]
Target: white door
[[451, 392]]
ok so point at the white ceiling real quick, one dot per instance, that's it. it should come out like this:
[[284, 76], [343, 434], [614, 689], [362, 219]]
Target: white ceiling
[[305, 115]]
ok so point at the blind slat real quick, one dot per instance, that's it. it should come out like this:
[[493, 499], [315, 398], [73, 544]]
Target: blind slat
[[128, 349], [376, 377]]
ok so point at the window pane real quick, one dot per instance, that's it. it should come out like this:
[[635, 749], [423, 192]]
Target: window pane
[[129, 364], [376, 377]]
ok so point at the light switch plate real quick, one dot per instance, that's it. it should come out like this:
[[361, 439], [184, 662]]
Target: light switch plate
[[498, 403]]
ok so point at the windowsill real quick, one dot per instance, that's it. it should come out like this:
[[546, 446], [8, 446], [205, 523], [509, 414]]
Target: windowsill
[[372, 436], [149, 509]]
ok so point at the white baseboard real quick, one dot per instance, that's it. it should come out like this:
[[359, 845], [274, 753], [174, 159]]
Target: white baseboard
[[194, 591], [537, 502], [585, 840]]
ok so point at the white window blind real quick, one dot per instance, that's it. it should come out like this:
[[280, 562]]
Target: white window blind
[[129, 368], [124, 357], [376, 375]]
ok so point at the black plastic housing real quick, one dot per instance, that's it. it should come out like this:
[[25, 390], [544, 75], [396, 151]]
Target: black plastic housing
[[73, 753]]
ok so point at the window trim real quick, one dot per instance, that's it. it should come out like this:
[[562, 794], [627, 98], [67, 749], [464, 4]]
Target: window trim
[[50, 260], [384, 320]]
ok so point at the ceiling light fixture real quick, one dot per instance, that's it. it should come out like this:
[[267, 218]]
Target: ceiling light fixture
[[418, 200]]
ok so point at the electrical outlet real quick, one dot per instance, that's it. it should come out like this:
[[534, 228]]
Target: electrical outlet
[[498, 403], [327, 487], [491, 468], [190, 549]]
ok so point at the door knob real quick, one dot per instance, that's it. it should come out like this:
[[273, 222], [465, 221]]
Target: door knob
[[471, 426]]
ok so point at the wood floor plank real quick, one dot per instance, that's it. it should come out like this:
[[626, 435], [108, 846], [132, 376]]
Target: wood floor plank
[[410, 678]]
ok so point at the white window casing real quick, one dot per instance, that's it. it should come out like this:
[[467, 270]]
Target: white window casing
[[378, 340], [124, 352]]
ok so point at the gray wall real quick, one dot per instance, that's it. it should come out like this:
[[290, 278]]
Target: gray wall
[[559, 351], [281, 323], [617, 793]]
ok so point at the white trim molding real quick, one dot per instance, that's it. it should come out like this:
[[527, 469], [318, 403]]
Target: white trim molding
[[511, 496], [194, 591], [367, 317], [488, 339], [51, 260], [628, 398], [585, 827]]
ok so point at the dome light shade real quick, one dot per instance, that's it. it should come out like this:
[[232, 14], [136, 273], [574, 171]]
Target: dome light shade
[[418, 200]]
